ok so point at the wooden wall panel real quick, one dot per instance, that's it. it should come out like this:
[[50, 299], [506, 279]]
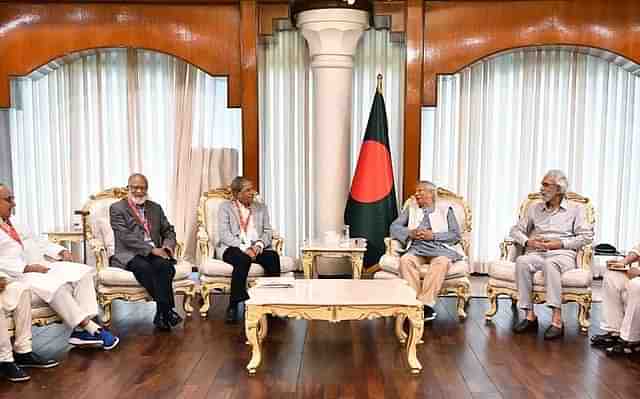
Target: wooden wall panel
[[33, 34], [250, 133], [457, 33], [413, 95]]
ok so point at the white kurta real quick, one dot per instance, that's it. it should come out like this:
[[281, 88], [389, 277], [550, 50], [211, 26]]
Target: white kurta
[[15, 257]]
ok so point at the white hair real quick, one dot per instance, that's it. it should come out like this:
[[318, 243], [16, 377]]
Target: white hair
[[427, 184], [560, 178]]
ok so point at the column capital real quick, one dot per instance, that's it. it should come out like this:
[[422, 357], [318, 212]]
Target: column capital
[[332, 35]]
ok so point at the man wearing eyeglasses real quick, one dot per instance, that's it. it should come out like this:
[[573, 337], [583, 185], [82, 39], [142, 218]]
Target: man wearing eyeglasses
[[65, 286], [145, 245]]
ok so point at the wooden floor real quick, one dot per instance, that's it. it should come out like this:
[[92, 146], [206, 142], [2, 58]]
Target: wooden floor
[[207, 359]]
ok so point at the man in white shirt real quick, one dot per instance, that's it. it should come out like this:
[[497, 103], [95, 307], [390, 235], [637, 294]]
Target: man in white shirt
[[65, 286], [551, 232], [621, 309], [245, 238], [15, 299]]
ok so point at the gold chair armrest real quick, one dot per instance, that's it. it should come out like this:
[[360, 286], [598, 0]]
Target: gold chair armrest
[[505, 246], [278, 245], [179, 250], [100, 252], [203, 243], [584, 257], [387, 246]]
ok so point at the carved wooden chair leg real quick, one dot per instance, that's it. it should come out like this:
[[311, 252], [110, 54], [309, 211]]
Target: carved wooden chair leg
[[206, 301], [493, 303]]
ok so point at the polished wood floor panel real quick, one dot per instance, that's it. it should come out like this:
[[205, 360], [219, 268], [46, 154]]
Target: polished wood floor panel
[[207, 359]]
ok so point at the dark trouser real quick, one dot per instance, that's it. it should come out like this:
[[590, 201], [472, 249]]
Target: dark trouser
[[156, 275], [241, 262]]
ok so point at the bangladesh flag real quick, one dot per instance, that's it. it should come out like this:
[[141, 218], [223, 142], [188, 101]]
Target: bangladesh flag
[[372, 201]]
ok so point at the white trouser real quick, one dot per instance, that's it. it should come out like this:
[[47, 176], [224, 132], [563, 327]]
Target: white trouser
[[75, 302], [16, 301], [621, 305], [552, 264]]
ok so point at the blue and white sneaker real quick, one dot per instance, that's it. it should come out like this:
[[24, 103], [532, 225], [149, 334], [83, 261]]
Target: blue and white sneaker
[[84, 338], [109, 341]]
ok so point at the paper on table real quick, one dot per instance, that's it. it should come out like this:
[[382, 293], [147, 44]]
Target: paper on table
[[275, 282]]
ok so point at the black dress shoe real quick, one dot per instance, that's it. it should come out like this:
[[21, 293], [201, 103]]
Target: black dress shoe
[[12, 372], [553, 332], [429, 313], [232, 315], [32, 360], [173, 318], [161, 322], [526, 325]]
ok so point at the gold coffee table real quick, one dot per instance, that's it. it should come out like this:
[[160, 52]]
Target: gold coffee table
[[334, 301]]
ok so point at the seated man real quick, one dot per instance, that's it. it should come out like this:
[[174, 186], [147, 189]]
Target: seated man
[[551, 232], [431, 242], [145, 243], [621, 309], [65, 286], [15, 298], [245, 238]]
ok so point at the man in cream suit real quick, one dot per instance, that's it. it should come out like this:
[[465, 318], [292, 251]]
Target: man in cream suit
[[15, 299], [65, 286], [621, 309], [145, 244], [551, 232], [431, 242], [245, 238]]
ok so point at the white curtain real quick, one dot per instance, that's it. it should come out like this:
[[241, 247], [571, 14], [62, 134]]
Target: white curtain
[[84, 123], [285, 83], [284, 134], [503, 122]]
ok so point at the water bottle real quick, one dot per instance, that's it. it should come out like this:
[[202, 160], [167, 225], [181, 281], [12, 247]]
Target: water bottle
[[346, 236]]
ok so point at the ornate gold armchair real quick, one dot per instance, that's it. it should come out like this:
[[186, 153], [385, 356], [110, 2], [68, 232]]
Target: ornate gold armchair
[[214, 273], [457, 281], [576, 284], [116, 283]]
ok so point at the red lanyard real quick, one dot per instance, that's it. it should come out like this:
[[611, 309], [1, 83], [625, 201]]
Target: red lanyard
[[11, 232], [143, 221], [243, 223]]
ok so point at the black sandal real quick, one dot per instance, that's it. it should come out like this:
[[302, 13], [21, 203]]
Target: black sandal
[[605, 340], [624, 348]]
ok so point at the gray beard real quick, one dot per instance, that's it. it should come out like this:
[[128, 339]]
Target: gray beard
[[546, 197]]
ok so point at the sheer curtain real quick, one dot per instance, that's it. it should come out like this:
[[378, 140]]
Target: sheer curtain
[[285, 81], [84, 123], [503, 122]]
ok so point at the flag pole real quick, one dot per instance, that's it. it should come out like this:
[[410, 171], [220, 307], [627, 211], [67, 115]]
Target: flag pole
[[379, 87]]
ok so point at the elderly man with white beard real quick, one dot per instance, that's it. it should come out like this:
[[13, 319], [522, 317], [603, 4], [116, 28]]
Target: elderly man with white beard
[[145, 244], [551, 232], [65, 286]]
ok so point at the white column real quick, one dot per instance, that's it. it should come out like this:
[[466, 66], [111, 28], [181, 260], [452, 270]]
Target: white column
[[332, 35]]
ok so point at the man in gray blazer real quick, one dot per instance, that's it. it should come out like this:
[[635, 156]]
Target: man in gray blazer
[[145, 242], [245, 238]]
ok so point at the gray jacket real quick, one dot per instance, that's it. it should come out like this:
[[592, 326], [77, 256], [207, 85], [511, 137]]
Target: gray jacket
[[229, 226], [129, 233]]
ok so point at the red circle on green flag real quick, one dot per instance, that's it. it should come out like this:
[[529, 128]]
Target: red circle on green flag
[[374, 176]]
